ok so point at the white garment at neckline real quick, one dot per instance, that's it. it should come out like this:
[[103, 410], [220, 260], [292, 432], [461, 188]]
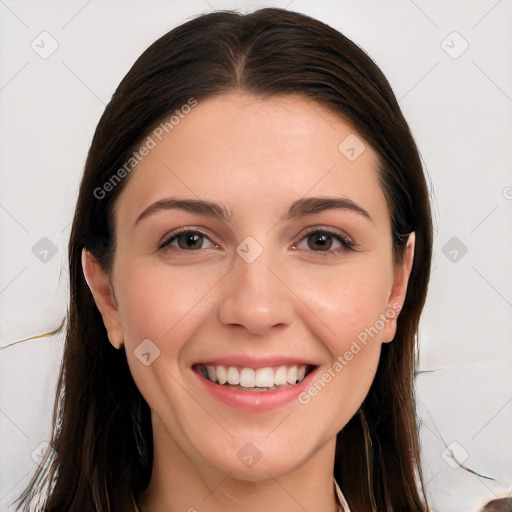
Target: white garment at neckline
[[339, 494]]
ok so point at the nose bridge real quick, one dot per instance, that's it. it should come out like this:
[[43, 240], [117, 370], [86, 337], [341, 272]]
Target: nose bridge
[[254, 297]]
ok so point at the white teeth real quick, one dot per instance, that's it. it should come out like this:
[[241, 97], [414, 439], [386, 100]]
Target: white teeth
[[222, 377], [280, 376], [233, 376], [247, 378], [264, 377], [211, 373], [267, 377], [291, 376]]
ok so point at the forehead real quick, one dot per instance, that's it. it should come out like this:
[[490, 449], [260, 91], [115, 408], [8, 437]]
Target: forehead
[[240, 149]]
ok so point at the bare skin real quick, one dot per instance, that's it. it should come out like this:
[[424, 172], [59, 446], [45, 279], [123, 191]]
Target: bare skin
[[302, 296]]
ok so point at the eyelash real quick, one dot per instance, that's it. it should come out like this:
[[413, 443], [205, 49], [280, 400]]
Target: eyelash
[[347, 244]]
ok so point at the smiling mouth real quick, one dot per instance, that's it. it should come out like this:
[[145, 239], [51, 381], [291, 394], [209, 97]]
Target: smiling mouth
[[269, 378]]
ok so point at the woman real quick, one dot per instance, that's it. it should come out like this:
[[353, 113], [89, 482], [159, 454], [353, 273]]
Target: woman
[[249, 259]]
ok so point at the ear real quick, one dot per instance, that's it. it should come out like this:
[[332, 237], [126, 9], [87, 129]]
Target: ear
[[398, 291], [101, 288]]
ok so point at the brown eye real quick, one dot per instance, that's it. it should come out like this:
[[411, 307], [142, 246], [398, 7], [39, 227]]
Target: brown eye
[[320, 241], [186, 240], [190, 241], [325, 242]]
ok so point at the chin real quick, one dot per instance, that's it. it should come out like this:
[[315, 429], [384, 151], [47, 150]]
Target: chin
[[259, 460]]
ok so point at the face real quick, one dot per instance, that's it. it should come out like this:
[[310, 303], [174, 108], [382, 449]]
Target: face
[[285, 275]]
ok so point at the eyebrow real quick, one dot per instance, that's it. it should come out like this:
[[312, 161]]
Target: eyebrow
[[300, 208], [209, 208], [311, 205]]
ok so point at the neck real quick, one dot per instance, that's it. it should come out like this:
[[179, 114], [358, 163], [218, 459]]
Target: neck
[[179, 484]]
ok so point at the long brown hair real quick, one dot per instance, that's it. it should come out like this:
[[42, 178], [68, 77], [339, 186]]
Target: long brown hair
[[101, 425]]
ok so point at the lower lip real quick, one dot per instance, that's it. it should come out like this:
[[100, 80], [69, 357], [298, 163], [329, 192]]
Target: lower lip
[[255, 400]]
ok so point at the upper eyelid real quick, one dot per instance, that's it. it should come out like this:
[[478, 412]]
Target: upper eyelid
[[333, 231], [343, 238], [180, 231]]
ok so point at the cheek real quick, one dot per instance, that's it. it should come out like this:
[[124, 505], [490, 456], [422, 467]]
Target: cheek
[[351, 306], [165, 306], [161, 304], [351, 303]]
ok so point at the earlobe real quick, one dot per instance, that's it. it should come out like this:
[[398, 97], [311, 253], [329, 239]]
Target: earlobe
[[398, 290], [101, 288]]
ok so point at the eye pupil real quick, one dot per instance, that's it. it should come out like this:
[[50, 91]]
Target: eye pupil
[[322, 240], [190, 241]]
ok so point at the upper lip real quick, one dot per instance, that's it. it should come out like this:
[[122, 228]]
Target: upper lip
[[254, 362]]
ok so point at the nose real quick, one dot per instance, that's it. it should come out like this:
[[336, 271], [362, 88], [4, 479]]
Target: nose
[[256, 297]]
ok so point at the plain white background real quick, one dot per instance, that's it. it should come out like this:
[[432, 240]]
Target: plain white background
[[450, 65]]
